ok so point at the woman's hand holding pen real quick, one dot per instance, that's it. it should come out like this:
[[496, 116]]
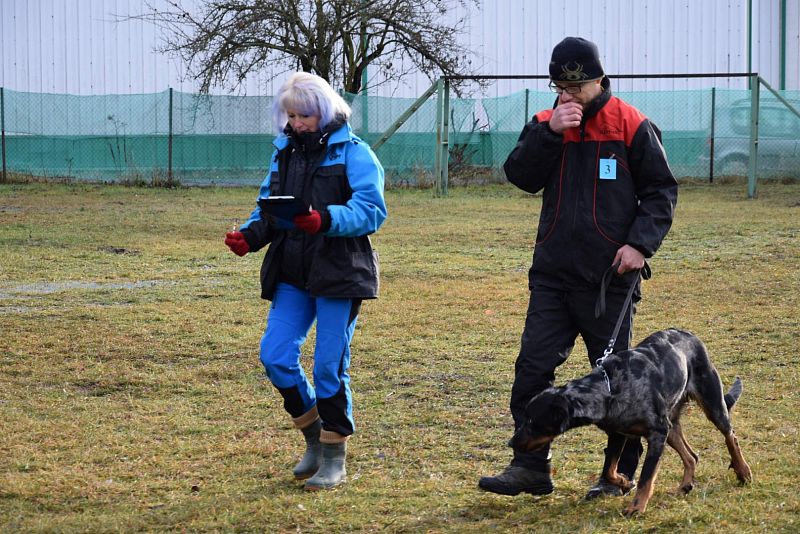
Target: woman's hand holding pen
[[237, 243]]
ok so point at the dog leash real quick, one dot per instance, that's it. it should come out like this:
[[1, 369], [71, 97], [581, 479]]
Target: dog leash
[[600, 309]]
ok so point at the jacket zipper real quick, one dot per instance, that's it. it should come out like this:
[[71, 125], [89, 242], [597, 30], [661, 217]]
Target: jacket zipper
[[619, 161], [576, 190]]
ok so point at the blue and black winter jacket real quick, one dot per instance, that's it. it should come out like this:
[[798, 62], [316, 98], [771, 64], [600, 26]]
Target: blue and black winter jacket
[[337, 174]]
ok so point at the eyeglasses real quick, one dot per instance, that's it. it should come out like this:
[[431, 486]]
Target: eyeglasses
[[569, 89]]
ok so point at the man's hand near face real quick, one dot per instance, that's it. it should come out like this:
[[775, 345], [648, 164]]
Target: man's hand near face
[[566, 116]]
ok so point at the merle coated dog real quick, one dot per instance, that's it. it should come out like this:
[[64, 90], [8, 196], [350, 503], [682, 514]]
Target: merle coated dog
[[640, 392]]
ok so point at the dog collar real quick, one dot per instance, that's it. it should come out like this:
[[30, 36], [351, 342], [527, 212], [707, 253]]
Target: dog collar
[[599, 364]]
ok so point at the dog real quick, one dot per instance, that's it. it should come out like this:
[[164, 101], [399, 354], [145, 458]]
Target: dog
[[640, 392]]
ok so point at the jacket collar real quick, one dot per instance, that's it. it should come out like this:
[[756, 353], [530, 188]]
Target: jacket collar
[[593, 107], [342, 134]]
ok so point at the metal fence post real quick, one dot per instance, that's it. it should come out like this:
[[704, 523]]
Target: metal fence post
[[364, 77], [437, 165], [169, 140], [753, 162], [364, 115], [3, 129], [527, 94], [445, 148], [713, 133]]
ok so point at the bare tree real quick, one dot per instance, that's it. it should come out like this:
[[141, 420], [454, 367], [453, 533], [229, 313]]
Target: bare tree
[[222, 42]]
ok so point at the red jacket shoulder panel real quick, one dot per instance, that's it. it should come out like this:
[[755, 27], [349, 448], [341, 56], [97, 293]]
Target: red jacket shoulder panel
[[616, 121], [544, 116]]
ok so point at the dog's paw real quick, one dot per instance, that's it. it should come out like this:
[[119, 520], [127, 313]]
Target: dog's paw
[[627, 484], [637, 506], [633, 509], [743, 473], [622, 482]]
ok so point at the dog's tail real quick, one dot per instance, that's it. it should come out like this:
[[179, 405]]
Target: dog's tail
[[734, 393]]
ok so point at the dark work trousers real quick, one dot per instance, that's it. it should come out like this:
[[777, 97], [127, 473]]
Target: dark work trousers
[[555, 319]]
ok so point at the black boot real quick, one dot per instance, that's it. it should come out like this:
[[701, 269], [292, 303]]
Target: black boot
[[604, 488], [515, 480], [631, 450]]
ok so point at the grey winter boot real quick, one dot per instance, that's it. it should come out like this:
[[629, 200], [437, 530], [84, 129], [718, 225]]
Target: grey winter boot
[[312, 458], [332, 472]]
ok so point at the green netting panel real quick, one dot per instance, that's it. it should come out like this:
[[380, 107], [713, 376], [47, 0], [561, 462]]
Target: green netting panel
[[410, 152], [221, 139], [779, 134], [211, 115], [684, 118], [55, 115], [227, 139], [96, 137], [506, 118]]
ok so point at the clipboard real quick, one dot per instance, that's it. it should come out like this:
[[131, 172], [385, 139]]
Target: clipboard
[[283, 207]]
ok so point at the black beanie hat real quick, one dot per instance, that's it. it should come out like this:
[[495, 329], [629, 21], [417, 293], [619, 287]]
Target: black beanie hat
[[575, 60]]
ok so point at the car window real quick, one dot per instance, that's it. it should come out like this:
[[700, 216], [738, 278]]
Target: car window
[[776, 122], [740, 121], [780, 123]]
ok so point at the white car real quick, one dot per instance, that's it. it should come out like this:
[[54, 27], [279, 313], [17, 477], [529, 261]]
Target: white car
[[778, 140]]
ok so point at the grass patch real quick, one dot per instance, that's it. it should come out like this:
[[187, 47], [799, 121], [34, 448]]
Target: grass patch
[[132, 399]]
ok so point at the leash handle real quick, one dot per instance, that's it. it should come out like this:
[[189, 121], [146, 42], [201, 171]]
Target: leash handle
[[600, 309], [600, 305]]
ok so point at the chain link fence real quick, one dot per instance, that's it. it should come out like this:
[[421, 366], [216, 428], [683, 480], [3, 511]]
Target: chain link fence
[[202, 139], [707, 133]]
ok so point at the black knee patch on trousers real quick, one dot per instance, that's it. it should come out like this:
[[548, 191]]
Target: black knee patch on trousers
[[292, 402]]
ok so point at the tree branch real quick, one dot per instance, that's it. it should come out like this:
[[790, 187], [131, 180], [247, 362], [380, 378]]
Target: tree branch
[[225, 41]]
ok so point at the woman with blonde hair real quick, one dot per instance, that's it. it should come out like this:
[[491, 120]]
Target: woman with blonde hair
[[319, 266]]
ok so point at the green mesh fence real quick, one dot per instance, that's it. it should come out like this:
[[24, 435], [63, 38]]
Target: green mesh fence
[[778, 134], [227, 139]]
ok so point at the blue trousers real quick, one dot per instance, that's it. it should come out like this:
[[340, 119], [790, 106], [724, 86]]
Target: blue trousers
[[291, 316]]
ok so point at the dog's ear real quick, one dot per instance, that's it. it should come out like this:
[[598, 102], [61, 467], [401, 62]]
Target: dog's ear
[[548, 414]]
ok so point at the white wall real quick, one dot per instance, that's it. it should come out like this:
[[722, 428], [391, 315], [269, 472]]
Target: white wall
[[81, 46], [86, 47], [793, 45]]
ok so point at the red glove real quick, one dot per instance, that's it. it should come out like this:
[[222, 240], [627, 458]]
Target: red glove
[[309, 222], [237, 243]]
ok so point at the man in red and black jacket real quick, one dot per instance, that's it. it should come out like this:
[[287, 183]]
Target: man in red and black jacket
[[608, 197]]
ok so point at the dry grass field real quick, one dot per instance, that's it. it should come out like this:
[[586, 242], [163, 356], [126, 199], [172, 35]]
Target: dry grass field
[[132, 398]]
